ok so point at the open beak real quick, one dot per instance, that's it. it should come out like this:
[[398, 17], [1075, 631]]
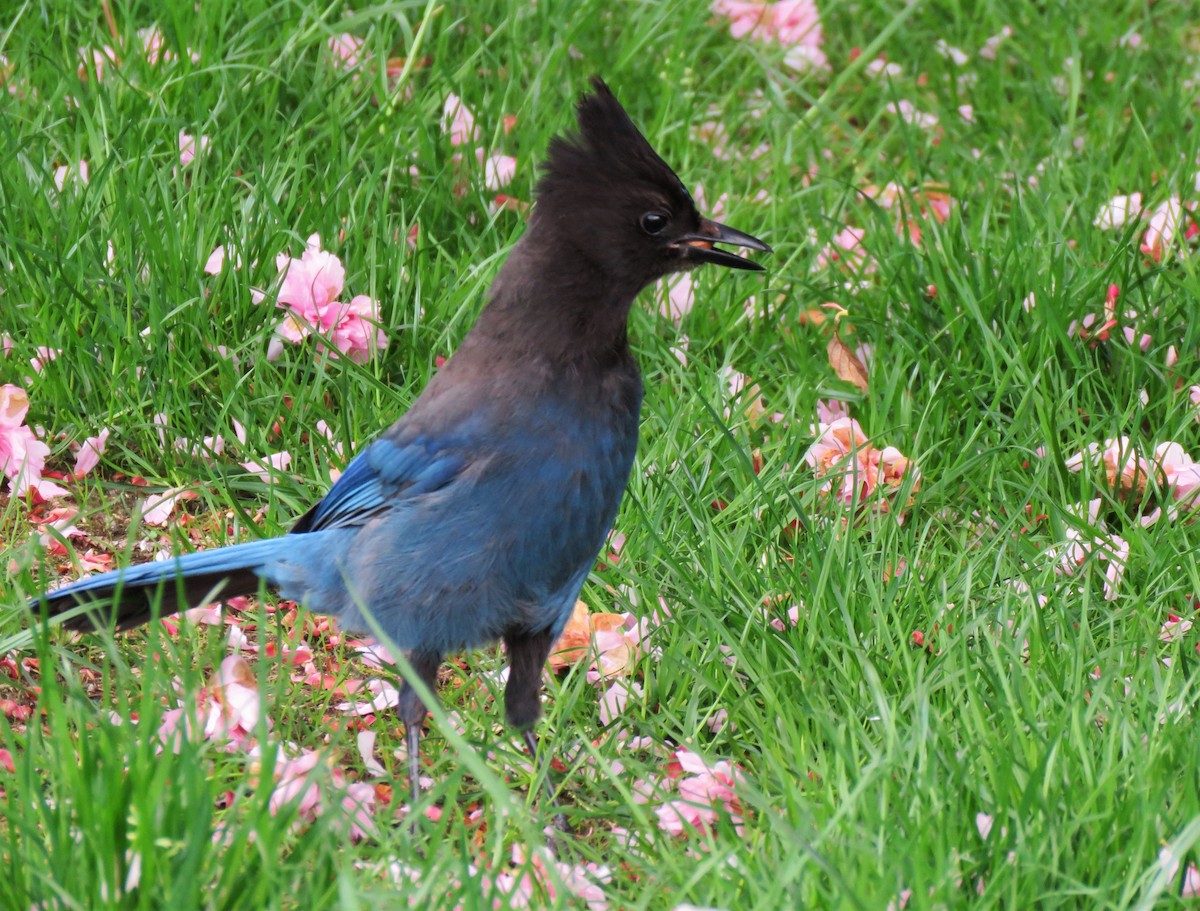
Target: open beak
[[699, 247]]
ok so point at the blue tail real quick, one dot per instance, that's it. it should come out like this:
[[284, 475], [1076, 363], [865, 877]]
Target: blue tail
[[172, 585]]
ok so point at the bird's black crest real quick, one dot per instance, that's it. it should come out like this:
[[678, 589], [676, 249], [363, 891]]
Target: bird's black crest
[[607, 147]]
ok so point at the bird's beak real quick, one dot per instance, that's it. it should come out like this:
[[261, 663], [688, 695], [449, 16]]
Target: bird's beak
[[699, 247]]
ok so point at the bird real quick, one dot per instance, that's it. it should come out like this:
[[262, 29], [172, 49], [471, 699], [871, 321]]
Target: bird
[[477, 515]]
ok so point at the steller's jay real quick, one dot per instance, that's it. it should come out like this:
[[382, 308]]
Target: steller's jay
[[478, 514]]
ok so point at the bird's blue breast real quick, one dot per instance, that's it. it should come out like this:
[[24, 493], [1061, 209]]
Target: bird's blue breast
[[464, 526]]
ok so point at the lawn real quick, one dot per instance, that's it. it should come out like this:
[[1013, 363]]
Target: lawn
[[938, 657]]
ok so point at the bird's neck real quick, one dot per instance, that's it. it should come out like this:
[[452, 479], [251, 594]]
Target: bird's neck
[[550, 304]]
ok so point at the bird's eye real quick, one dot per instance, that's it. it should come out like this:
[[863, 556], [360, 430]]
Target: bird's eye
[[655, 222]]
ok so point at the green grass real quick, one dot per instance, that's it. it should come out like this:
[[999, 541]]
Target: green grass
[[866, 758]]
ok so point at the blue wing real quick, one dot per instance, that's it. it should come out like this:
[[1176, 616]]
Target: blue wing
[[385, 472]]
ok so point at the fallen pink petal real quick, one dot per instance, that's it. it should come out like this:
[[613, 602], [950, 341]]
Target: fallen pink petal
[[1125, 469], [883, 68], [355, 330], [309, 292], [310, 787], [1117, 211], [43, 357], [59, 524], [94, 63], [216, 261], [236, 707], [458, 122], [795, 24], [584, 881], [706, 794], [153, 45], [366, 751], [385, 696], [791, 618], [71, 174], [158, 507], [1174, 629], [846, 251], [614, 699], [983, 822], [273, 464], [189, 145], [296, 787], [855, 469], [830, 410], [345, 49], [908, 112], [680, 296], [374, 654], [1162, 229], [498, 170], [1170, 864], [22, 454], [1109, 550], [312, 282], [90, 452], [205, 615], [1180, 473]]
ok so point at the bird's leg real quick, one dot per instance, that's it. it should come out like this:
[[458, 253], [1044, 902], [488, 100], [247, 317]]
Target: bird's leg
[[531, 744], [412, 732], [527, 656], [411, 710]]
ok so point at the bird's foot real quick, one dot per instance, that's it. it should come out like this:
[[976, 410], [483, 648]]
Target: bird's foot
[[557, 835]]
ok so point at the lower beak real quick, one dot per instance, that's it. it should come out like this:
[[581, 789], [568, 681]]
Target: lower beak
[[699, 247]]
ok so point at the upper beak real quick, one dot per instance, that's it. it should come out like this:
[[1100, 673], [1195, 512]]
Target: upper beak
[[699, 246]]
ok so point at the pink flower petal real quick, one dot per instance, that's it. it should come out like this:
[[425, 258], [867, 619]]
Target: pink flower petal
[[366, 750], [158, 507], [312, 282], [705, 793], [1174, 629], [14, 404], [77, 173], [614, 700], [345, 49], [58, 525], [22, 454], [846, 251], [793, 23], [680, 297], [386, 696], [983, 822], [188, 147], [236, 706], [89, 453], [1163, 228], [1118, 210], [498, 171], [458, 121], [215, 262], [44, 356], [275, 463]]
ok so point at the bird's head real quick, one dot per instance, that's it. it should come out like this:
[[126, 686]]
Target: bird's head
[[608, 195]]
